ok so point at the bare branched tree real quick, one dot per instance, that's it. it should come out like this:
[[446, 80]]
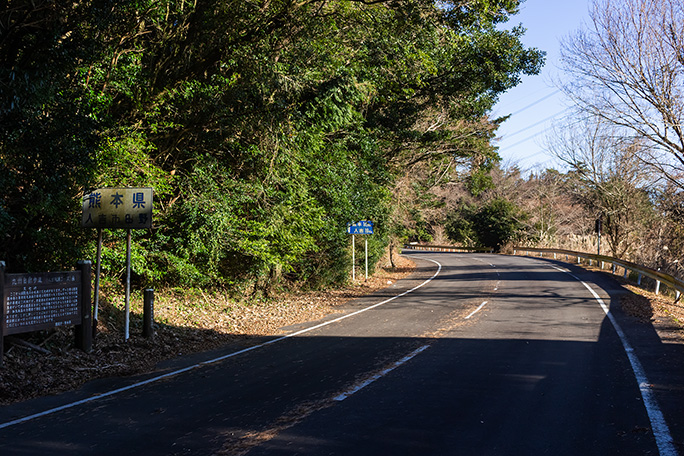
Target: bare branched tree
[[608, 178], [627, 67]]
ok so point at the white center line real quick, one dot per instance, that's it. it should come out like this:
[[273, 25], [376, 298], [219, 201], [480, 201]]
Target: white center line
[[381, 374], [476, 310]]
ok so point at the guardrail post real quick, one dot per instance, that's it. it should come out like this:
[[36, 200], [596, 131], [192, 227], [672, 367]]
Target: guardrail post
[[591, 262], [625, 274], [578, 259], [613, 268], [639, 279], [657, 290]]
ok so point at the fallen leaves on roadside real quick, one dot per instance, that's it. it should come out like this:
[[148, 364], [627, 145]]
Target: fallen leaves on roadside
[[185, 323]]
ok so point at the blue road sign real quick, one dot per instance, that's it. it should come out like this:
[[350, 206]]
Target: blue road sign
[[362, 227]]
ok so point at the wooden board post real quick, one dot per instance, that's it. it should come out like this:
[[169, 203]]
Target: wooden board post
[[2, 310], [83, 333]]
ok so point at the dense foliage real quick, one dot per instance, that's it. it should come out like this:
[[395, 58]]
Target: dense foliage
[[264, 127], [492, 224]]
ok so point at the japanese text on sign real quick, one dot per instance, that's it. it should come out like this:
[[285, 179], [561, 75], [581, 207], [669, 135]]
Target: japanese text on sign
[[41, 301], [118, 208], [362, 227]]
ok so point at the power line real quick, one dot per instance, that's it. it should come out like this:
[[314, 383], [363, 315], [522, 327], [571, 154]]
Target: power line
[[526, 139], [536, 102], [536, 123], [538, 133]]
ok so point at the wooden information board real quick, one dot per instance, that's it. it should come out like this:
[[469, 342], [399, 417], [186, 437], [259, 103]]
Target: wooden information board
[[46, 300], [37, 301]]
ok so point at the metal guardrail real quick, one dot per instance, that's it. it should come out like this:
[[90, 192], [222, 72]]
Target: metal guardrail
[[659, 277], [641, 271], [446, 248]]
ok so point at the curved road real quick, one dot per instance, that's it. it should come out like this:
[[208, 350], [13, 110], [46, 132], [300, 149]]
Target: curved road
[[474, 354]]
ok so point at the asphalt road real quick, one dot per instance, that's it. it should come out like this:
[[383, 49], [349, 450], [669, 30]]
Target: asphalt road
[[475, 354]]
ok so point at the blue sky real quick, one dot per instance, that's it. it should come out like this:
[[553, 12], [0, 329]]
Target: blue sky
[[536, 103]]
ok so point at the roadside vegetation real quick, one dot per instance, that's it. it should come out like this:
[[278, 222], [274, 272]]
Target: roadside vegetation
[[263, 127]]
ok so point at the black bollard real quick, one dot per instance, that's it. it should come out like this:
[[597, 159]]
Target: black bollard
[[148, 313]]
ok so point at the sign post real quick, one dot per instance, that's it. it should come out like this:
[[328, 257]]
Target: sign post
[[599, 226], [98, 263], [353, 259], [362, 227], [127, 311], [129, 208], [366, 239]]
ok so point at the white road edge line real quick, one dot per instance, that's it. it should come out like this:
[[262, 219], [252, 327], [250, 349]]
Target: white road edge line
[[381, 374], [476, 310], [215, 360], [661, 431]]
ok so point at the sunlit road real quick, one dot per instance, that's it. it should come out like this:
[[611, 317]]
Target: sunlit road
[[482, 355]]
